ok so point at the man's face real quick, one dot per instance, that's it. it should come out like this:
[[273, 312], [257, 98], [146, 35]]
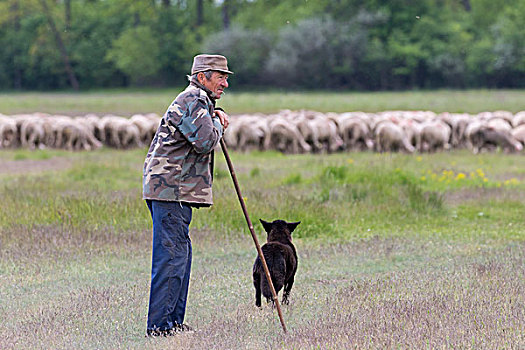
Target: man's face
[[217, 83]]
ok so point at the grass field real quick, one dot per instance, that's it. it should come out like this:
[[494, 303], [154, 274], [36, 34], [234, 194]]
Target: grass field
[[395, 251], [145, 101]]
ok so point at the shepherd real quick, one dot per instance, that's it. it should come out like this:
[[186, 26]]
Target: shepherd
[[177, 177]]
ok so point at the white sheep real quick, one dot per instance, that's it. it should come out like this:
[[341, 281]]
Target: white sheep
[[284, 136], [147, 127], [434, 135], [519, 133], [355, 131], [8, 132], [120, 132], [320, 130], [390, 137], [518, 119]]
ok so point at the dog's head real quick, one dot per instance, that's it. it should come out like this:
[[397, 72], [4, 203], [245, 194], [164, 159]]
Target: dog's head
[[279, 230]]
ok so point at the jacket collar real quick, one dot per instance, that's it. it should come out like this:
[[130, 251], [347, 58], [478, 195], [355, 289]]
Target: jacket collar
[[210, 93]]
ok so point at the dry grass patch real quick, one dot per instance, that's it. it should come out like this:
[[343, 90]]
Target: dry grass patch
[[34, 166], [482, 195], [28, 245], [465, 304], [371, 293]]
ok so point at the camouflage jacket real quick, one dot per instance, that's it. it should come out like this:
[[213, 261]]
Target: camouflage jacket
[[179, 164]]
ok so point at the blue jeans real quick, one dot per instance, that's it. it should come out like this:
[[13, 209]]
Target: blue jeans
[[170, 264]]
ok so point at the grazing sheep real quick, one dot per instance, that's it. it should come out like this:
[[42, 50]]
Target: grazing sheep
[[505, 115], [8, 132], [518, 119], [285, 137], [73, 134], [319, 131], [70, 137], [54, 130], [472, 128], [86, 135], [356, 134], [33, 131], [147, 127], [120, 132], [281, 257], [93, 122], [231, 134], [327, 134], [458, 123], [433, 136], [309, 132], [490, 138], [412, 129], [499, 124], [249, 133], [519, 133], [287, 131], [390, 137]]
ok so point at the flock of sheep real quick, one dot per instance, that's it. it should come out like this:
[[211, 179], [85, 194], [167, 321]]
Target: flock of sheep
[[88, 132], [287, 131], [389, 131]]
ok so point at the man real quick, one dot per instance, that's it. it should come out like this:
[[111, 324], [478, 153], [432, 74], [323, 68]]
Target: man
[[177, 177]]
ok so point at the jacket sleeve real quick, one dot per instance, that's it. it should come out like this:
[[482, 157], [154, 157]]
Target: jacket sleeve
[[201, 129]]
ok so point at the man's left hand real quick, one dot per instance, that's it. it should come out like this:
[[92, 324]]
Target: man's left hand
[[223, 118]]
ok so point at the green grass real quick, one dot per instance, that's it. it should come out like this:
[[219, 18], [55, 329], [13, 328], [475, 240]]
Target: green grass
[[325, 192], [386, 259], [128, 102]]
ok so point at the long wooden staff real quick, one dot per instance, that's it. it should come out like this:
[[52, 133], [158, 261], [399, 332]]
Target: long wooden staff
[[250, 226]]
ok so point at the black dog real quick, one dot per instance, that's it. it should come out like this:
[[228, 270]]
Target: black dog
[[281, 258]]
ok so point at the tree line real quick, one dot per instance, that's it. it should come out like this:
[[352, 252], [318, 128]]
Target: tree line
[[299, 44]]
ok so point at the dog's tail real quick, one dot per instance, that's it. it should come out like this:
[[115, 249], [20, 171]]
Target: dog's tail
[[277, 266]]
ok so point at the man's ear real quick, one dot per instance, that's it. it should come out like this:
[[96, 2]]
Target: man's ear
[[292, 225], [201, 77], [267, 225]]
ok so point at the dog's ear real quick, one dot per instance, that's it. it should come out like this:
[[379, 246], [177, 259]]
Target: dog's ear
[[292, 225], [267, 225]]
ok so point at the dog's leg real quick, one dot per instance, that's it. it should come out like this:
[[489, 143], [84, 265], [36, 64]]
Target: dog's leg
[[270, 300], [257, 285], [287, 288]]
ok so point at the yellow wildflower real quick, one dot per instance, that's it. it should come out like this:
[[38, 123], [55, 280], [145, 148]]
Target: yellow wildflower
[[512, 181]]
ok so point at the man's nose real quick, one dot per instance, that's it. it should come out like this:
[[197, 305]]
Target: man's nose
[[225, 83]]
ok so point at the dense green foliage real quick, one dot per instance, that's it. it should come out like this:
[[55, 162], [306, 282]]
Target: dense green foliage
[[345, 44]]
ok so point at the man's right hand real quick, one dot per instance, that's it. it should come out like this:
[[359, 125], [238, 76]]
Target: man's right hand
[[223, 118]]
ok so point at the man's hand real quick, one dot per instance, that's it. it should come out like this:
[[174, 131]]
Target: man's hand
[[223, 117]]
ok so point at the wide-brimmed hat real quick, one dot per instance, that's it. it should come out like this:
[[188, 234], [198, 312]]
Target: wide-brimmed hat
[[203, 63]]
